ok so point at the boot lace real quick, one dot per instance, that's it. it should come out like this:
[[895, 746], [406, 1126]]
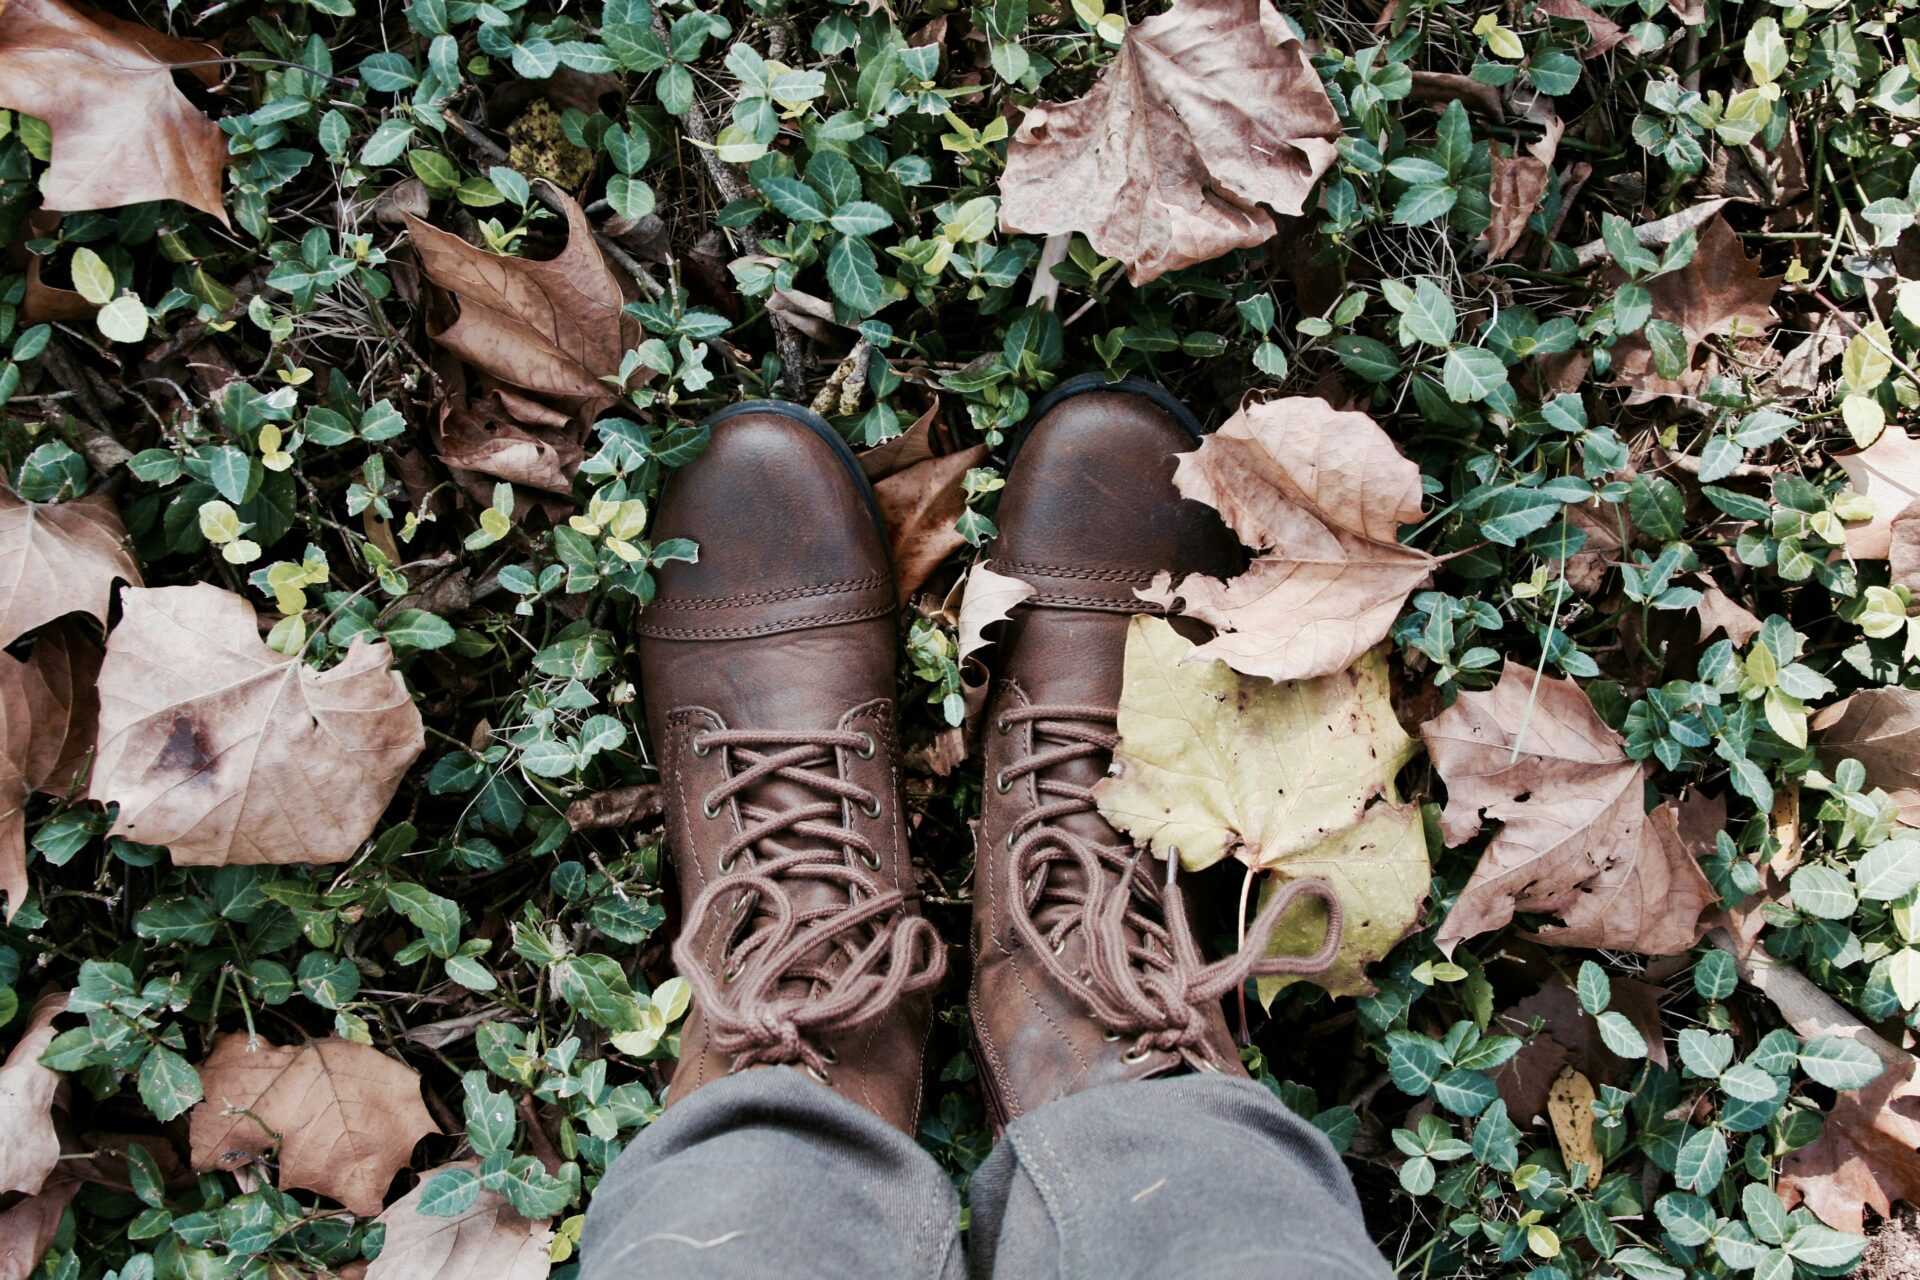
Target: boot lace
[[793, 975], [1144, 975]]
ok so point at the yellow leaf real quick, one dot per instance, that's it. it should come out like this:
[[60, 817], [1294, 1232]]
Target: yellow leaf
[[1505, 44], [494, 523], [1864, 417], [240, 551], [219, 522], [1570, 1108]]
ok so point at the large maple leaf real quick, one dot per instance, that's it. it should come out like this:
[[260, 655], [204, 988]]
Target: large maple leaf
[[1209, 111], [1575, 840], [123, 133]]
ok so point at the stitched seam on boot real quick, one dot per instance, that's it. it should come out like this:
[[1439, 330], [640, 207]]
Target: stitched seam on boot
[[1071, 571], [842, 587], [799, 623]]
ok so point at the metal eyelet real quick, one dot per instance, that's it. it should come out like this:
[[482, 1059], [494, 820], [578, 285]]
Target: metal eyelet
[[701, 747], [866, 748], [739, 904], [709, 809], [871, 861], [1002, 783], [819, 1075], [1136, 1054], [872, 810], [732, 973], [1009, 839], [1059, 945], [829, 1057], [724, 866], [1003, 726], [1110, 1036]]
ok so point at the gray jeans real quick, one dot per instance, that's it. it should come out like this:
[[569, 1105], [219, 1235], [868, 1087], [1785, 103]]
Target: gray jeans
[[767, 1174]]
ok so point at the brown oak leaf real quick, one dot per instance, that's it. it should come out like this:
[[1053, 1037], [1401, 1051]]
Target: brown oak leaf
[[228, 752], [345, 1116], [1208, 112], [921, 505], [552, 328], [122, 132], [489, 1241], [58, 558], [1575, 841], [1881, 729], [1887, 471], [28, 1228], [1720, 293], [1321, 494], [29, 1145]]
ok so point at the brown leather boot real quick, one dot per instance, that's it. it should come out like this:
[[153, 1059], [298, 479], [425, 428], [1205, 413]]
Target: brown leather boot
[[1085, 970], [769, 674]]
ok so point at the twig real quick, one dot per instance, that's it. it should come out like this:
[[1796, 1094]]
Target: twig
[[1854, 325], [1691, 465]]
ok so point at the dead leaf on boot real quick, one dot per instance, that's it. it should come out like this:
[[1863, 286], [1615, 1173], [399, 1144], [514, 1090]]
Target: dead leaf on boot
[[228, 752], [489, 1241], [122, 132], [1321, 494], [1865, 1156], [58, 558], [1888, 472], [1881, 729], [1295, 778], [1208, 112], [552, 328], [29, 1145], [27, 1229], [989, 598], [345, 1116], [1570, 1109], [63, 704], [1721, 612], [922, 505], [1720, 293], [1532, 755]]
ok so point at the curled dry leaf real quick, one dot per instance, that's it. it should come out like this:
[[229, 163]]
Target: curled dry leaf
[[1294, 778], [345, 1116], [1887, 471], [915, 444], [228, 752], [29, 1145], [58, 558], [122, 132], [1518, 183], [1881, 729], [482, 443], [1321, 494], [921, 505], [1208, 112], [63, 705], [1720, 293], [989, 598], [488, 1241], [28, 1228], [552, 328], [1575, 839], [1721, 612]]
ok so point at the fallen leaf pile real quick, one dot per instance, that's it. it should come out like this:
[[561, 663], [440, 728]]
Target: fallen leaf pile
[[1321, 495], [1209, 112], [1294, 778], [1576, 840], [122, 132], [343, 1116], [228, 752]]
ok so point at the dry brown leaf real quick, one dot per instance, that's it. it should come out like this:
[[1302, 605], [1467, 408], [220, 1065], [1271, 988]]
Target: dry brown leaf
[[1208, 112], [487, 1242], [1903, 549], [58, 558], [1602, 33], [1887, 471], [1570, 1110], [922, 505], [482, 443], [27, 1229], [1322, 495], [915, 444], [1881, 729], [29, 1145], [1865, 1155], [552, 328], [228, 752], [1720, 293], [990, 597], [345, 1116], [16, 753], [1569, 1036], [1517, 185], [1721, 612], [122, 132], [62, 704], [1575, 839]]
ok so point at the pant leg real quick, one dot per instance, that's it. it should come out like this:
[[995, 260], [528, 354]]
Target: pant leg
[[1196, 1177], [768, 1174]]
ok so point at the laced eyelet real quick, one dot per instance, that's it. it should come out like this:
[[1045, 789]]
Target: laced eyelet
[[701, 747], [1110, 1036], [731, 973], [739, 905], [872, 810], [724, 866], [709, 810], [866, 748], [819, 1075], [1009, 839], [1059, 945], [1003, 726], [1002, 783], [1135, 1055], [829, 1057], [871, 861]]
